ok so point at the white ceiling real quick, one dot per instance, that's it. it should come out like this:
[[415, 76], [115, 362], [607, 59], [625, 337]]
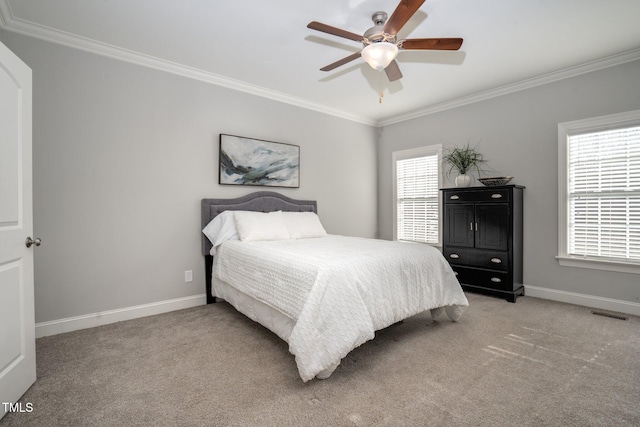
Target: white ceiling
[[264, 47]]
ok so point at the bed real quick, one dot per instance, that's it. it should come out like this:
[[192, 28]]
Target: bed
[[269, 256]]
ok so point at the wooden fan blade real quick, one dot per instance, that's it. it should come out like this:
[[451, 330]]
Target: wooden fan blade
[[393, 71], [432, 44], [318, 26], [401, 15], [341, 62]]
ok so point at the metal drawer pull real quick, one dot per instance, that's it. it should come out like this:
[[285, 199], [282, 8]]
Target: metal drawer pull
[[454, 197], [496, 260], [496, 280], [496, 196], [454, 256]]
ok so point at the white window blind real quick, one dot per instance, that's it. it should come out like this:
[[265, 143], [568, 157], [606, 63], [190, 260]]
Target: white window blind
[[604, 194], [417, 199]]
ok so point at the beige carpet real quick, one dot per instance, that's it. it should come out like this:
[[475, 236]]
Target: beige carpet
[[533, 363]]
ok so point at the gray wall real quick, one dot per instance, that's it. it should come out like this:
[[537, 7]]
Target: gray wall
[[122, 156], [517, 133]]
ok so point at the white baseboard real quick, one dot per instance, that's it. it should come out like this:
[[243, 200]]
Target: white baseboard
[[601, 303], [70, 324]]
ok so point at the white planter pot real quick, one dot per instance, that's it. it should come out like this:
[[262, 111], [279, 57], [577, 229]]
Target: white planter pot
[[463, 180]]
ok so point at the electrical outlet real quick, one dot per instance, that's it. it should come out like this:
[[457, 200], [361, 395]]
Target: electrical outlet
[[188, 276]]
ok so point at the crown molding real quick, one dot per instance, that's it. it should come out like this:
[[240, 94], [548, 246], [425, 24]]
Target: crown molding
[[629, 56], [5, 14], [16, 25]]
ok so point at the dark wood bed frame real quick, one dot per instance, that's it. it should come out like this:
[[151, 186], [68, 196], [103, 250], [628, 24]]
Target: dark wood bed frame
[[260, 201]]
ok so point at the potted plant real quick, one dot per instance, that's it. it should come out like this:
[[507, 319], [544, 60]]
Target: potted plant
[[463, 160]]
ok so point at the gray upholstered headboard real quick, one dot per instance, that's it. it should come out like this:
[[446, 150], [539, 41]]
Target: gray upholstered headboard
[[260, 201]]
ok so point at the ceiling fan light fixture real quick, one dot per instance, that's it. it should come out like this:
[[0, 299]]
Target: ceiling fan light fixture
[[379, 55]]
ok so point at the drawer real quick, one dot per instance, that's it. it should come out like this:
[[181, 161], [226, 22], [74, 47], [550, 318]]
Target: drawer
[[457, 196], [485, 278], [493, 260]]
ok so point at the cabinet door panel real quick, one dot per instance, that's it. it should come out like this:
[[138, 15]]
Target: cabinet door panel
[[493, 229], [459, 225]]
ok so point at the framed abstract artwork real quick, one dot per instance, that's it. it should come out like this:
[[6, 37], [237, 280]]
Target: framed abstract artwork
[[247, 161]]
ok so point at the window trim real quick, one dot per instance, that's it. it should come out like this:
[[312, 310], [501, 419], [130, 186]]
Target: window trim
[[595, 124], [428, 150]]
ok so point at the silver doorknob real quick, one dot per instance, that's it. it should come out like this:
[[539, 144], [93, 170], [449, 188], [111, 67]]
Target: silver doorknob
[[31, 241]]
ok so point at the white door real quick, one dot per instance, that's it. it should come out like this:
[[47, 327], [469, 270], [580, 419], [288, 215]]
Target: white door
[[17, 328]]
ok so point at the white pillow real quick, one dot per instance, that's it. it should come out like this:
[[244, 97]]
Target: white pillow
[[220, 229], [253, 226], [303, 225]]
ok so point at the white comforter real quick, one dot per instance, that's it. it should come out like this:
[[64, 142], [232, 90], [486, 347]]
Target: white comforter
[[340, 290]]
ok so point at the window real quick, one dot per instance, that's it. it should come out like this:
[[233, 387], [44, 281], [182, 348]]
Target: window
[[599, 198], [416, 175]]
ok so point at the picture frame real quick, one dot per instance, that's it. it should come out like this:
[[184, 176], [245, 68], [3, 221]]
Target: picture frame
[[249, 161]]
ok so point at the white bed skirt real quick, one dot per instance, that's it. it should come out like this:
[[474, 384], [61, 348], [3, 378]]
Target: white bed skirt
[[282, 325], [267, 316], [255, 310]]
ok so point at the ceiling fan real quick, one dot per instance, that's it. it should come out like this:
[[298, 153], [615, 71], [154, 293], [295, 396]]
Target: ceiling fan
[[380, 46]]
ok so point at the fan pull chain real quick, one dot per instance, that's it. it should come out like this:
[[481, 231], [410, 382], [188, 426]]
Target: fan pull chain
[[381, 96]]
